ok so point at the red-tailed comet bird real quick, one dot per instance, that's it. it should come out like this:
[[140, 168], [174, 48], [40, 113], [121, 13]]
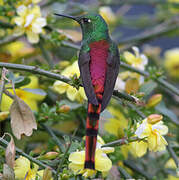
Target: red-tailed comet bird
[[99, 66]]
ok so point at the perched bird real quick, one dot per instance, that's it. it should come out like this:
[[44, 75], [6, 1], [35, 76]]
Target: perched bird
[[99, 66]]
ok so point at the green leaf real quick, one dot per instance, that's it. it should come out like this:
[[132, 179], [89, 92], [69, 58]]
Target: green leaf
[[148, 87], [72, 105], [167, 112], [18, 80], [36, 91], [21, 81]]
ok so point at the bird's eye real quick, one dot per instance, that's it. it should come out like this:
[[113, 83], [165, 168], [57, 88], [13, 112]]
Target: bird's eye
[[86, 20]]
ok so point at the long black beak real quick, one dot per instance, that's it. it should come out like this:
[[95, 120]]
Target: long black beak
[[67, 16]]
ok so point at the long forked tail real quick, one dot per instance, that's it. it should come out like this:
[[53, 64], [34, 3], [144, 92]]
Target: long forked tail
[[92, 125]]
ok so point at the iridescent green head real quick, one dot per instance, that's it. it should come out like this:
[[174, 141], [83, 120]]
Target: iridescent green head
[[93, 26]]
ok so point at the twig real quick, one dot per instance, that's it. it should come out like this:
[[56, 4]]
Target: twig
[[161, 29], [36, 70], [45, 54], [6, 25], [140, 113], [2, 83], [8, 40], [54, 137], [59, 133], [64, 156], [122, 142], [160, 80], [19, 151], [127, 97], [122, 2], [172, 154], [130, 68], [135, 168], [124, 173]]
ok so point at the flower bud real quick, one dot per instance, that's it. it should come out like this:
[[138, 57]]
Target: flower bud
[[154, 100], [3, 115], [49, 155], [154, 118], [65, 177], [63, 109]]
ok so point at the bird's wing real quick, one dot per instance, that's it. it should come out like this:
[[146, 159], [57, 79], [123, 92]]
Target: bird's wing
[[83, 62], [113, 63]]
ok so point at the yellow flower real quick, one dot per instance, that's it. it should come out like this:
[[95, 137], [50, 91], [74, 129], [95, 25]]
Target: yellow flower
[[27, 2], [16, 50], [30, 22], [136, 60], [23, 170], [130, 81], [172, 62], [1, 2], [153, 137], [107, 13], [29, 97], [72, 93], [102, 162], [138, 149], [116, 124]]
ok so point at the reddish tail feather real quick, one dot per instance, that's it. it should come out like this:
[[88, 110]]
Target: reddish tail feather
[[91, 132]]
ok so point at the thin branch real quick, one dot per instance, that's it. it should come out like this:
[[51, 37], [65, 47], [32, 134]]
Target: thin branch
[[160, 80], [36, 70], [135, 168], [124, 173], [64, 156], [124, 2], [122, 141], [54, 137], [8, 40], [161, 29], [45, 54], [19, 151], [6, 25], [173, 155]]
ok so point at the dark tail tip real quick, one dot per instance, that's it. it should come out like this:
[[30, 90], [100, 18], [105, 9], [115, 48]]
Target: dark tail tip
[[89, 165]]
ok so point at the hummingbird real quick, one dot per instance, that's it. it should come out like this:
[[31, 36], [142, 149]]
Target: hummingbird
[[99, 66]]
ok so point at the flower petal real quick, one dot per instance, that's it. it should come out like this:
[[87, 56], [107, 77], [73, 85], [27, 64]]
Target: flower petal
[[41, 21], [138, 148], [77, 157], [162, 129], [107, 149], [71, 93], [32, 37], [152, 142], [76, 168], [19, 21], [21, 10], [18, 31], [22, 166], [60, 87], [102, 162], [28, 20]]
